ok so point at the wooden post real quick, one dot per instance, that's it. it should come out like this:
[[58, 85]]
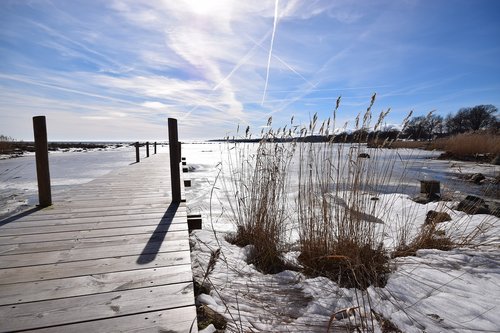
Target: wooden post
[[179, 148], [175, 175], [137, 157], [147, 149], [42, 161], [155, 147], [430, 187]]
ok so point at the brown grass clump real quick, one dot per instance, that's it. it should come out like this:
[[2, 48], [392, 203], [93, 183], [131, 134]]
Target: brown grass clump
[[337, 228], [427, 238], [259, 183], [352, 266], [266, 252], [6, 144], [469, 145]]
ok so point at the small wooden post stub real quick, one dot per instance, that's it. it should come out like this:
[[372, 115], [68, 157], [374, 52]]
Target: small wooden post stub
[[194, 222], [430, 187], [155, 147], [147, 149]]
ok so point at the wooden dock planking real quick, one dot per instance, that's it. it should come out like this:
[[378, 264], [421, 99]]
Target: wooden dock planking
[[62, 311], [91, 233], [109, 255], [88, 267], [81, 243]]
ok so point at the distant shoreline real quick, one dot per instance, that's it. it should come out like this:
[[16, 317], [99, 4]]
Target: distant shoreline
[[20, 148]]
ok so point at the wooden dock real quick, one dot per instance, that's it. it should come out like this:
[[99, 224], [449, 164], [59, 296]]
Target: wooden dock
[[111, 255]]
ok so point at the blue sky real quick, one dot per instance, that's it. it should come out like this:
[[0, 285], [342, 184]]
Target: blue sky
[[115, 70]]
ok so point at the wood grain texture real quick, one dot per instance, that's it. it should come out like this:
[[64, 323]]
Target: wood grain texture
[[91, 307], [111, 255], [182, 320]]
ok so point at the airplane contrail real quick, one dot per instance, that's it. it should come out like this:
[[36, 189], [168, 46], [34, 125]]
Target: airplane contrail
[[270, 50]]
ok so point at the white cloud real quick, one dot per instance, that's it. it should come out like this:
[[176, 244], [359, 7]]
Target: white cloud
[[155, 105]]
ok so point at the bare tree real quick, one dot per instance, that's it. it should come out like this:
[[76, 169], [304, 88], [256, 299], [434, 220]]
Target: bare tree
[[471, 119]]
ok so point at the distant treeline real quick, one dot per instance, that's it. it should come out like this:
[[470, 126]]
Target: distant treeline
[[470, 119]]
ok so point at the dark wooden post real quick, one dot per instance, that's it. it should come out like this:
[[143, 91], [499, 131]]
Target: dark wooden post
[[137, 158], [430, 187], [42, 161], [175, 175], [147, 149], [179, 147], [155, 147]]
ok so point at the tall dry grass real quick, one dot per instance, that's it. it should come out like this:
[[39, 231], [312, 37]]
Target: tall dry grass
[[258, 200], [338, 186], [6, 144], [469, 144]]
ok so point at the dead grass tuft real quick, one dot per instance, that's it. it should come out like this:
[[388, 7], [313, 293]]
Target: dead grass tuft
[[259, 183], [428, 238], [469, 145], [351, 265]]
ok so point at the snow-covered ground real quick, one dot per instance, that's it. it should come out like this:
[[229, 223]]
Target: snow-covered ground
[[435, 291]]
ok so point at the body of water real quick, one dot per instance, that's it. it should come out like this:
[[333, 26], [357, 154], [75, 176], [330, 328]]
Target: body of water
[[18, 187]]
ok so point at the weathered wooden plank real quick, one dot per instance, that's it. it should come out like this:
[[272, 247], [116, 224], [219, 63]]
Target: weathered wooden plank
[[121, 199], [142, 218], [93, 284], [47, 237], [43, 229], [179, 320], [113, 207], [83, 243], [52, 257], [76, 309], [95, 266], [51, 214], [106, 216]]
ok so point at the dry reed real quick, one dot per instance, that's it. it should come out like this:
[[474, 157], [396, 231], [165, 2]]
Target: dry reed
[[259, 183], [468, 145]]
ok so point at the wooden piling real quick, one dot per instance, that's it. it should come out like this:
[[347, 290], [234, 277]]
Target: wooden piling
[[147, 148], [42, 161], [137, 157], [155, 147], [430, 187], [175, 158], [194, 222]]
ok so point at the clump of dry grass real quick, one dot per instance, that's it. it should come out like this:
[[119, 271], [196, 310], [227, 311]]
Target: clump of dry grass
[[469, 145], [338, 233], [6, 144], [428, 238], [259, 183]]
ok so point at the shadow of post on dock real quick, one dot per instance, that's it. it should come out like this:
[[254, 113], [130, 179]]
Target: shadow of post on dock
[[153, 245]]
